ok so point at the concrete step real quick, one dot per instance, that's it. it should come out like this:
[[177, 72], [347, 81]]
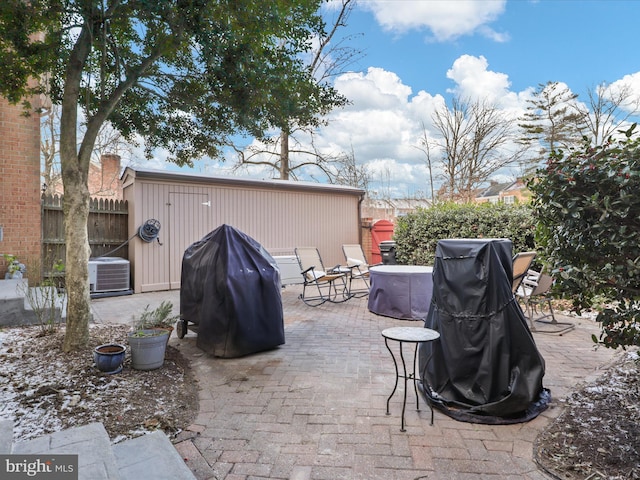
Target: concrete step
[[13, 313], [149, 456], [18, 301], [6, 436], [91, 443]]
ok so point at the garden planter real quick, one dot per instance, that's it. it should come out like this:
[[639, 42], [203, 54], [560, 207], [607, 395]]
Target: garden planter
[[147, 348], [109, 357]]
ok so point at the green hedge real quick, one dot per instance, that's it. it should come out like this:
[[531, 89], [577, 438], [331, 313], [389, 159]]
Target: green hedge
[[417, 234]]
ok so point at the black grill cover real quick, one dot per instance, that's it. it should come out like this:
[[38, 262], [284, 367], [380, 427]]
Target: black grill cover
[[230, 288], [485, 368]]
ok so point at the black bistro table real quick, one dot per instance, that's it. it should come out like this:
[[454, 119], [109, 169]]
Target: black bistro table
[[402, 335]]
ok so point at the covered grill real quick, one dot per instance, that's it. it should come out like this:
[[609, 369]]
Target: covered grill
[[230, 289], [486, 367]]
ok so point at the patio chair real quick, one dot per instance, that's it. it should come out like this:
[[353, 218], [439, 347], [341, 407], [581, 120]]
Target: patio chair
[[326, 285], [521, 264], [358, 269], [535, 292]]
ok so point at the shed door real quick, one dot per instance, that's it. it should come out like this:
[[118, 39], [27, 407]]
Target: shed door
[[189, 221]]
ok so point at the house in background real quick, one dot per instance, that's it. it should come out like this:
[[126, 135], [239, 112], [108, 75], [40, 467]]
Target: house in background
[[104, 179], [509, 192], [390, 209]]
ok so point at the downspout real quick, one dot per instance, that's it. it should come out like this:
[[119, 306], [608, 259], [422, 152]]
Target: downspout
[[360, 200]]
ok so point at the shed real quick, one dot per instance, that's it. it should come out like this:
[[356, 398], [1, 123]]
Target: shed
[[280, 215]]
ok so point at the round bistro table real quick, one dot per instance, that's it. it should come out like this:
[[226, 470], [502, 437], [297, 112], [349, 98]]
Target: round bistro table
[[402, 335]]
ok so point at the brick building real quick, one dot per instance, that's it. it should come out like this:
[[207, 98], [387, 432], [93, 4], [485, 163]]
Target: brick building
[[20, 229], [104, 179]]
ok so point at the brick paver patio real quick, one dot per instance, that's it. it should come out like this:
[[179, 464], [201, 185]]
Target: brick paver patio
[[314, 408]]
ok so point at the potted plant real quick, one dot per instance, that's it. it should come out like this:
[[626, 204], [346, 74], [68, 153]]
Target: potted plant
[[15, 269], [109, 357], [150, 335]]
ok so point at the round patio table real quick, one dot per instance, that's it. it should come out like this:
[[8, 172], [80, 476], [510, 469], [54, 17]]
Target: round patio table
[[401, 291]]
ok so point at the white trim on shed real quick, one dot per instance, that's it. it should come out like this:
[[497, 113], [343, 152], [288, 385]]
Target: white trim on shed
[[281, 215]]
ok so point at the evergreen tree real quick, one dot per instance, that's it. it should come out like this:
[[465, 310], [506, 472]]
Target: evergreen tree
[[550, 122]]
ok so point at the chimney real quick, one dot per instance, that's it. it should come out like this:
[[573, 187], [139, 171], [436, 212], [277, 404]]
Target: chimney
[[110, 166]]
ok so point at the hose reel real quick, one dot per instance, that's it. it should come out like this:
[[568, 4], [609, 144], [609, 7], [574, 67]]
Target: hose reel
[[149, 230]]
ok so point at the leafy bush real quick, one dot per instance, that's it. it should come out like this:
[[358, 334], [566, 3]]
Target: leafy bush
[[588, 209], [417, 234]]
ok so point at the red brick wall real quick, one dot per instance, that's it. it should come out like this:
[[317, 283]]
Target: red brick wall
[[367, 241], [19, 184], [104, 179]]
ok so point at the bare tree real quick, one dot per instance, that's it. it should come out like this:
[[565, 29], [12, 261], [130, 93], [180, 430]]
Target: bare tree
[[606, 112], [49, 141], [476, 139], [108, 141], [329, 59], [348, 172], [425, 147]]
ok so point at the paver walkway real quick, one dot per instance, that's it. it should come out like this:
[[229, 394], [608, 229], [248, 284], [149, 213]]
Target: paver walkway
[[314, 408]]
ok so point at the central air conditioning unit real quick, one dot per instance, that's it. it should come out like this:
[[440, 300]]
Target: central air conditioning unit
[[108, 274], [289, 269]]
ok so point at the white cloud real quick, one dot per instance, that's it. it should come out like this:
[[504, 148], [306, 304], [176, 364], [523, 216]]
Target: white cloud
[[446, 19], [475, 81], [377, 88], [627, 86], [384, 125]]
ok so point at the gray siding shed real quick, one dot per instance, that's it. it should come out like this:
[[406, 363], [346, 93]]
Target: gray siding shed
[[281, 215]]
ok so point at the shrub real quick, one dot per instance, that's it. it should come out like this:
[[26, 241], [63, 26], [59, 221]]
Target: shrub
[[588, 209], [417, 234]]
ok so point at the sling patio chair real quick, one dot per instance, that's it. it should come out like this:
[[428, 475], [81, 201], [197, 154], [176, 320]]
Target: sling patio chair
[[535, 291], [321, 285], [359, 269], [521, 264]]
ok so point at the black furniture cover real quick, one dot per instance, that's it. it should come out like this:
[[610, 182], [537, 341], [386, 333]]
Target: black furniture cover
[[485, 368], [230, 288]]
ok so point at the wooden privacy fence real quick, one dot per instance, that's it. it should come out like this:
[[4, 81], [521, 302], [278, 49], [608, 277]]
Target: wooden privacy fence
[[107, 227]]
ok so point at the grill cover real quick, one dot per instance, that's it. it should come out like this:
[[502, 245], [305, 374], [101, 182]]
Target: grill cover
[[230, 288], [485, 368]]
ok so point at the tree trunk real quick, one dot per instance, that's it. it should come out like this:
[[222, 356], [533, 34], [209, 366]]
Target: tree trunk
[[74, 164], [76, 214], [284, 155]]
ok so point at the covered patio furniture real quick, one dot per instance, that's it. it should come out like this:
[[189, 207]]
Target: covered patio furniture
[[535, 291], [359, 269], [230, 288], [321, 285], [486, 367], [401, 291]]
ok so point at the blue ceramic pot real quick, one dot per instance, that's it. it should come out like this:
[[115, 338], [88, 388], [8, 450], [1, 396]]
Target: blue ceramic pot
[[109, 357]]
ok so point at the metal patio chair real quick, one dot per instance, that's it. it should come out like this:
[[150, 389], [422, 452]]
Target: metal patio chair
[[359, 269], [326, 285], [521, 264], [535, 292]]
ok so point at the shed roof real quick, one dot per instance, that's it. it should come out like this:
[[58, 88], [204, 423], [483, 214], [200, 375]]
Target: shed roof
[[131, 173]]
